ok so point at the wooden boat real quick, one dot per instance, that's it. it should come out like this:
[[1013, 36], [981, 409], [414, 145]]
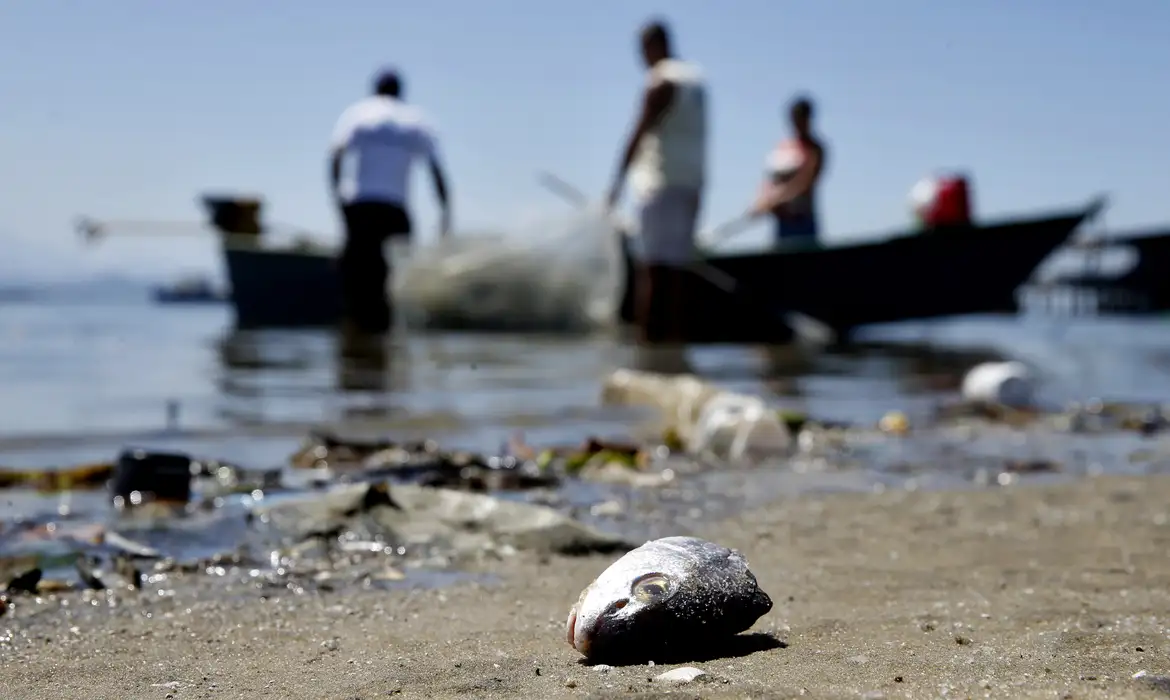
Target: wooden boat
[[294, 287], [911, 275], [914, 275], [273, 286], [189, 290], [905, 276]]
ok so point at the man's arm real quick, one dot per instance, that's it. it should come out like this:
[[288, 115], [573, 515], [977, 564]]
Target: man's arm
[[439, 177], [335, 157], [655, 102], [428, 148], [338, 142], [766, 189], [795, 187]]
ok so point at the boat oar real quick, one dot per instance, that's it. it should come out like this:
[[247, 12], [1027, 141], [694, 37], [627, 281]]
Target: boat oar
[[563, 189], [803, 326], [574, 196], [728, 230], [92, 229], [578, 199]]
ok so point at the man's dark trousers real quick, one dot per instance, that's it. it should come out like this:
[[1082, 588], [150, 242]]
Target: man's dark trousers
[[363, 267]]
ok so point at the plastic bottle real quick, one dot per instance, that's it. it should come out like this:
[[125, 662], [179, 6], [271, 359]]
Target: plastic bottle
[[1009, 384], [728, 424], [738, 426]]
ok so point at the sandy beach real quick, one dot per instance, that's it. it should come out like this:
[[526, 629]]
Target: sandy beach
[[1040, 591]]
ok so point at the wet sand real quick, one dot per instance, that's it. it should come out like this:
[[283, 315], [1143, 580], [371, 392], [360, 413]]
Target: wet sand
[[1038, 591]]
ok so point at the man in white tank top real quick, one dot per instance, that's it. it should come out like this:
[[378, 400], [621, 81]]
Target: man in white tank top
[[381, 137], [666, 159]]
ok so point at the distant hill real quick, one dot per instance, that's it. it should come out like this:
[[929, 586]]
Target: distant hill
[[97, 288]]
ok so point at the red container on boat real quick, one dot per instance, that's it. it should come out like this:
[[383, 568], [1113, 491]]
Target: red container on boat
[[952, 203]]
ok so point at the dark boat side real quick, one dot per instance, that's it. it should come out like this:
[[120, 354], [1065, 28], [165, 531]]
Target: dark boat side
[[943, 272], [189, 292], [961, 270], [287, 287], [283, 288]]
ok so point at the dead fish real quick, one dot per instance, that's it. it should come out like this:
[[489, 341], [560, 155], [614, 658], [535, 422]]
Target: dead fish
[[668, 595]]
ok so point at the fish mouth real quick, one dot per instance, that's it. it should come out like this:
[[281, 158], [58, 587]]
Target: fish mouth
[[570, 627], [578, 639]]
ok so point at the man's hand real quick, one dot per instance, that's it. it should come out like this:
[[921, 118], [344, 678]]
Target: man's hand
[[768, 200], [442, 194], [335, 157]]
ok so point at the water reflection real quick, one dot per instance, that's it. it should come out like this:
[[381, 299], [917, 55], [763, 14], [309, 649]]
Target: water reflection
[[664, 358], [786, 370], [363, 361], [372, 367], [784, 365], [919, 368], [267, 375]]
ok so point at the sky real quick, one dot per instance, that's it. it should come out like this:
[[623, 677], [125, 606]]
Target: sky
[[132, 108]]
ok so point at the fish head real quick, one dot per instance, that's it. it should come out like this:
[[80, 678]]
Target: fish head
[[615, 603], [665, 592]]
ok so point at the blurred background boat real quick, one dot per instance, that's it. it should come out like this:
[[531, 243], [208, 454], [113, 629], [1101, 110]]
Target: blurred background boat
[[1125, 271], [273, 283], [192, 289]]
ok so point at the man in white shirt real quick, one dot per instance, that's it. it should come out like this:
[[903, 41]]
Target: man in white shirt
[[666, 157], [381, 137]]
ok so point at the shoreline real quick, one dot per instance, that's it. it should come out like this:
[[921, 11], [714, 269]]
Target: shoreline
[[1024, 591], [297, 429]]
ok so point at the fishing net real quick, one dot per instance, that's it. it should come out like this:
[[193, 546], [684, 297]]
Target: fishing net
[[560, 274]]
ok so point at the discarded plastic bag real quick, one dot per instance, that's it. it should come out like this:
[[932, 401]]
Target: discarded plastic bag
[[737, 427], [680, 398], [561, 274], [708, 419]]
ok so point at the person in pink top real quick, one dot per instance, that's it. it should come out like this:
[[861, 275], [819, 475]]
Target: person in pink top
[[794, 170]]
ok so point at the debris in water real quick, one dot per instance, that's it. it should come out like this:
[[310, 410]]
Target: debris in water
[[82, 476], [143, 476], [25, 582], [894, 423], [682, 675], [1011, 384]]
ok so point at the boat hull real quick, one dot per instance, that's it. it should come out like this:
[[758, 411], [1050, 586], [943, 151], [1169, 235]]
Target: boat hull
[[283, 288], [961, 270], [952, 272]]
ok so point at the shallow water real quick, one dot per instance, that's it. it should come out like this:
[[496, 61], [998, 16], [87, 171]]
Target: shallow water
[[84, 377]]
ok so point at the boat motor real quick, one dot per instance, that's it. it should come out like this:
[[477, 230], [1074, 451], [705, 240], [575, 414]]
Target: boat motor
[[941, 200]]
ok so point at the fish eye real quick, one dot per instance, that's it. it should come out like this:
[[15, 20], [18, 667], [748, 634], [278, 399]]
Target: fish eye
[[651, 586]]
